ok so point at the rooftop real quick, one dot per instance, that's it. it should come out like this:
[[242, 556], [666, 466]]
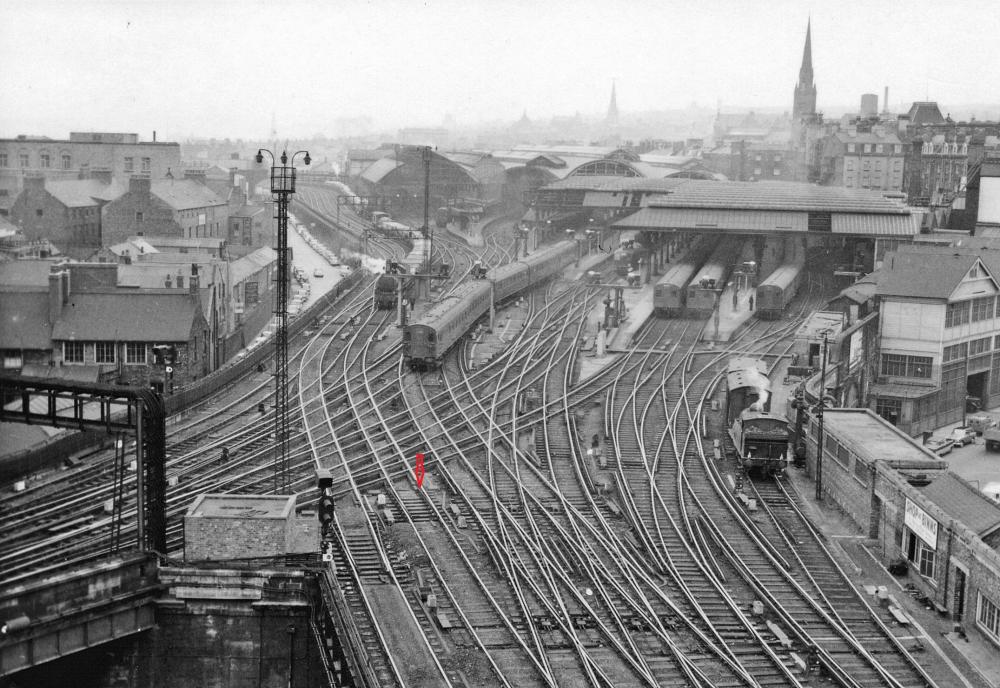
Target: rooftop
[[873, 439], [184, 194], [76, 193], [241, 506], [909, 273], [26, 274], [964, 503], [124, 316]]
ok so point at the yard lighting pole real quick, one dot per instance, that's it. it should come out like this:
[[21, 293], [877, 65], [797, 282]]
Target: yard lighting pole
[[282, 188]]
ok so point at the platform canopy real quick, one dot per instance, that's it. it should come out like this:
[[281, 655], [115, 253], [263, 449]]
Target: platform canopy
[[762, 207]]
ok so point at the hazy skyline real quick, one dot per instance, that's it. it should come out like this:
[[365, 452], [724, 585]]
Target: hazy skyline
[[221, 69]]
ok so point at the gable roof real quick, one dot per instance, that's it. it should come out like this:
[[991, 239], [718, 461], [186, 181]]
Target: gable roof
[[124, 316], [251, 264], [77, 193], [906, 273], [184, 194], [965, 503]]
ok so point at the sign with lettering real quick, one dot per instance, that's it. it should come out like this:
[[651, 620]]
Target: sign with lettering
[[921, 523]]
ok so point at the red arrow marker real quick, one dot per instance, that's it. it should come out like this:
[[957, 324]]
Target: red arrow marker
[[419, 470]]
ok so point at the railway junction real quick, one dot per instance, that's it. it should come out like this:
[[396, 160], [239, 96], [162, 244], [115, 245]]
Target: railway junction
[[556, 500]]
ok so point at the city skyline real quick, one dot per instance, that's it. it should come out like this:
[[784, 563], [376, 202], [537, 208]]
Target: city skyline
[[156, 67]]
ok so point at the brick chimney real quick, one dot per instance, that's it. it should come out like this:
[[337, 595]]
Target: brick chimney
[[58, 293], [139, 185], [195, 281]]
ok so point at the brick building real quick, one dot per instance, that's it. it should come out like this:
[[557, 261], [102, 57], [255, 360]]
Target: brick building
[[60, 159], [66, 213], [903, 497], [863, 160], [251, 227], [165, 207]]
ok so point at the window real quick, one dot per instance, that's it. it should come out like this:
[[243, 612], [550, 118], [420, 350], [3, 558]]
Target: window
[[73, 352], [776, 171], [956, 314], [39, 212], [878, 147], [135, 353], [145, 164], [23, 159], [868, 148], [777, 158], [46, 160], [955, 352], [104, 352], [899, 365], [66, 161], [849, 164], [897, 148], [850, 148], [925, 557], [138, 216], [889, 409], [12, 359], [979, 346], [4, 193], [129, 166], [989, 616], [3, 160], [756, 171], [983, 308]]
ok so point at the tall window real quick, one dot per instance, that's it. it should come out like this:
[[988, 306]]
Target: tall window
[[23, 159], [146, 164], [66, 161], [983, 308], [3, 160], [989, 616], [104, 352], [956, 314], [135, 353], [73, 352], [46, 160], [955, 352], [889, 409], [129, 165], [979, 346], [925, 558]]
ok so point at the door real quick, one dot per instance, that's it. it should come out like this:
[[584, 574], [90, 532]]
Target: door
[[959, 600]]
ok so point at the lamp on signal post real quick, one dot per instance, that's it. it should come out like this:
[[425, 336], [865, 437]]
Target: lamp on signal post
[[282, 188]]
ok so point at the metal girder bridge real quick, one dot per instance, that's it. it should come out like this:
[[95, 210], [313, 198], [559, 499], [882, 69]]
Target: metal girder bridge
[[138, 411]]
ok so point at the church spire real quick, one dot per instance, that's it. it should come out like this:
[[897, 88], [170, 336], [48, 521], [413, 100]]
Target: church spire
[[612, 117], [806, 70], [804, 103]]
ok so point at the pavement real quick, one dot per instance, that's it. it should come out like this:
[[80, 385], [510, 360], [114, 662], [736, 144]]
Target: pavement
[[973, 463]]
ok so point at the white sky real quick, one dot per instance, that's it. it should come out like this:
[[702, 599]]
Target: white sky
[[220, 68]]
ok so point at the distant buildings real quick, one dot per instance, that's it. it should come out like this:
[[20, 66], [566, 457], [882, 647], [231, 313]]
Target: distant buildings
[[76, 157], [165, 207], [863, 160]]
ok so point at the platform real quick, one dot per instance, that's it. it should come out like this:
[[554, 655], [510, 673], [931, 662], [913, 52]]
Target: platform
[[732, 314]]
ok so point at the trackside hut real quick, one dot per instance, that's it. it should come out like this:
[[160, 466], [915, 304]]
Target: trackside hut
[[904, 498]]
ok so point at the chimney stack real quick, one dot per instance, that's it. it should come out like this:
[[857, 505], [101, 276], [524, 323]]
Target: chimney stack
[[57, 294], [195, 281]]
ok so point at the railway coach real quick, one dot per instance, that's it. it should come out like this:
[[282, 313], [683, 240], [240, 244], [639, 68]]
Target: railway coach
[[760, 437], [670, 292], [429, 338], [704, 290], [777, 291]]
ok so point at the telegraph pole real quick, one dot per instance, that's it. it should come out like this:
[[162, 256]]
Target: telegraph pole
[[428, 233]]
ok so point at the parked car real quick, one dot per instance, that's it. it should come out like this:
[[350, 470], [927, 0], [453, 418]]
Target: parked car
[[963, 435], [317, 273], [940, 445], [992, 438], [981, 422]]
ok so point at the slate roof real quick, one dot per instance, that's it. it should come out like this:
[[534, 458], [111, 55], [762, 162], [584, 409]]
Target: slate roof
[[133, 247], [925, 112], [24, 322], [77, 193], [128, 317], [909, 273], [26, 273], [251, 264], [184, 194], [964, 503], [866, 137]]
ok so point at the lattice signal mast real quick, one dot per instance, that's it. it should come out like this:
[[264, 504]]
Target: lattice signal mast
[[282, 188]]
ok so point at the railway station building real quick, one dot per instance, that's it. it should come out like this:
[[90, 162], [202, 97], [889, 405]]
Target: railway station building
[[919, 517]]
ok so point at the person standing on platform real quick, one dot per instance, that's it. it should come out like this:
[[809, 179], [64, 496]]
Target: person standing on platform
[[751, 302], [736, 297]]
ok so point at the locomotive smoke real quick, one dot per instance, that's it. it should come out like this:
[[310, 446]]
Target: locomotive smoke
[[763, 385]]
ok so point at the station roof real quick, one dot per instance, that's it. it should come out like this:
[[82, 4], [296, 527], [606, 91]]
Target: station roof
[[768, 206], [873, 438], [964, 503], [375, 172]]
